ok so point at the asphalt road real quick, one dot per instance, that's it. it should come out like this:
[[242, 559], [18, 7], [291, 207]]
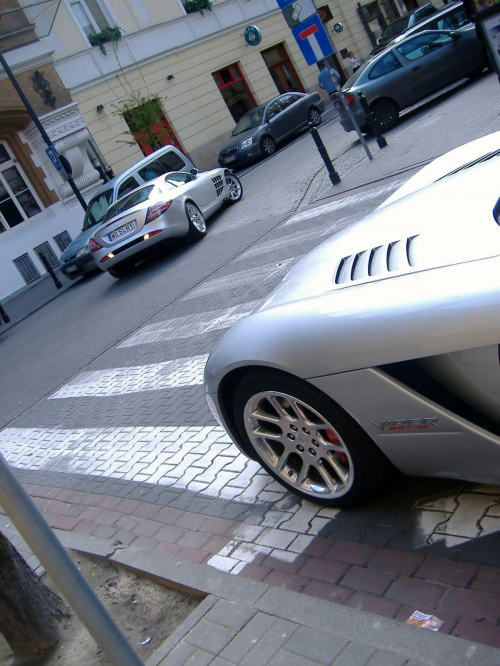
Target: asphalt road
[[119, 358]]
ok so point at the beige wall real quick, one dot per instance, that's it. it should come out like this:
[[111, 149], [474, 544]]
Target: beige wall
[[191, 101]]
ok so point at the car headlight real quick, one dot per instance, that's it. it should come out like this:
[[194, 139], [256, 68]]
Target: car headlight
[[82, 251], [247, 142]]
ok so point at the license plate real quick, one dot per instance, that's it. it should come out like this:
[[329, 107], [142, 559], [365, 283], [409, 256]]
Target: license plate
[[71, 269], [121, 231], [231, 158]]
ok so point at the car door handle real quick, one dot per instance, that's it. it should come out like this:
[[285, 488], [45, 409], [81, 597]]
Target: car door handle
[[414, 69]]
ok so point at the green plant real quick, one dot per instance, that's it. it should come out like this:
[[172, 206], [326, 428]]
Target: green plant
[[145, 119], [106, 35], [197, 6]]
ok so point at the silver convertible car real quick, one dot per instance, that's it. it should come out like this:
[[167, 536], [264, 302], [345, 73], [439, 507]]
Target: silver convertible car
[[171, 206], [380, 350]]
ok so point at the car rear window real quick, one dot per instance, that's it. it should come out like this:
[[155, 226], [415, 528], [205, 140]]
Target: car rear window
[[134, 199], [97, 209]]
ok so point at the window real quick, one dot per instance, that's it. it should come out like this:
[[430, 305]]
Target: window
[[17, 201], [27, 268], [273, 109], [389, 63], [234, 90], [62, 240], [149, 127], [281, 69], [287, 100], [127, 186], [90, 16], [423, 45], [44, 251]]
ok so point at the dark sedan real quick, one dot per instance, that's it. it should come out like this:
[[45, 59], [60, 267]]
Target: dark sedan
[[260, 130], [410, 71], [76, 259]]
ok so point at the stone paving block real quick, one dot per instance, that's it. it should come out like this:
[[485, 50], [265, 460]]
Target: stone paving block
[[384, 658], [465, 519], [255, 572], [319, 646], [230, 615], [352, 553], [181, 655], [395, 561], [247, 638], [284, 560], [487, 580], [416, 592], [374, 604], [327, 591], [325, 570], [287, 581], [471, 604], [448, 572], [275, 538], [481, 632], [367, 580], [355, 654], [209, 637], [284, 658], [277, 635]]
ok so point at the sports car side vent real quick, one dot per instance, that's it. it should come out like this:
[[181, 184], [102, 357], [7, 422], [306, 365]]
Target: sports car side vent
[[219, 185], [388, 258]]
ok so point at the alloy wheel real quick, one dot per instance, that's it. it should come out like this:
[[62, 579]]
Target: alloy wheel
[[299, 445], [196, 218], [234, 187]]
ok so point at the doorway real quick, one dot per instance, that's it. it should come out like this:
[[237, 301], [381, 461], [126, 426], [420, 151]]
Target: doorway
[[282, 70]]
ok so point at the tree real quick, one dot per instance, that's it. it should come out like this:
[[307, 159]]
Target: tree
[[30, 613]]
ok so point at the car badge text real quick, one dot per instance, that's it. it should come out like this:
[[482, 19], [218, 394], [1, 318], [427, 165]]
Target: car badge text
[[406, 424]]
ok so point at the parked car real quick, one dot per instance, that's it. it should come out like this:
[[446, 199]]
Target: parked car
[[410, 71], [450, 17], [172, 206], [401, 24], [77, 260], [260, 130], [379, 351]]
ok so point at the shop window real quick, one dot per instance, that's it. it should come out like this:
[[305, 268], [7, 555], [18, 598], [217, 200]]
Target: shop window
[[281, 69], [18, 201], [150, 128], [91, 16], [234, 90]]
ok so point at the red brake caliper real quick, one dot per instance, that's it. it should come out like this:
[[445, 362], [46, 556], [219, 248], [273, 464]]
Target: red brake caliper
[[332, 437]]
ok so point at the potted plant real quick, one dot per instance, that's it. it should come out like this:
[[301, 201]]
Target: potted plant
[[197, 6], [106, 35]]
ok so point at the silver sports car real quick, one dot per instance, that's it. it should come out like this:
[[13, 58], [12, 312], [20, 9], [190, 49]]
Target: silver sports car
[[171, 206], [380, 349]]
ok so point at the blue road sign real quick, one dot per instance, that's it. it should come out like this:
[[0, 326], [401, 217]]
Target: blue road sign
[[54, 158], [313, 39], [284, 3]]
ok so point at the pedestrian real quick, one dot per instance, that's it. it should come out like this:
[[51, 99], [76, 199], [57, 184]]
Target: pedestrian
[[355, 63], [328, 79]]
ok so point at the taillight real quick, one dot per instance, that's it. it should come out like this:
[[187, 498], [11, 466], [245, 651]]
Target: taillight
[[349, 98], [94, 246], [156, 210]]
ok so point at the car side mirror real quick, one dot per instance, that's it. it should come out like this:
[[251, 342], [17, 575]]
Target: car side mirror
[[455, 36], [270, 116], [194, 172]]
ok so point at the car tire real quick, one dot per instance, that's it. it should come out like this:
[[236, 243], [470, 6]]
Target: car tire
[[121, 270], [315, 116], [267, 145], [235, 188], [196, 221], [313, 448], [386, 113]]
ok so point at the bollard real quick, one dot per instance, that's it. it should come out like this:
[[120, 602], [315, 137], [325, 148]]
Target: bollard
[[372, 121], [334, 176], [50, 270]]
